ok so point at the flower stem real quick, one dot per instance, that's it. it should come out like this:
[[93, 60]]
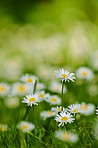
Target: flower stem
[[20, 112], [62, 94], [69, 145], [27, 111], [34, 87], [75, 120], [28, 140], [34, 115], [33, 105]]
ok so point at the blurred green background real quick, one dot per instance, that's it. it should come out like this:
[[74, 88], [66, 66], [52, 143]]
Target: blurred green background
[[38, 11], [39, 34]]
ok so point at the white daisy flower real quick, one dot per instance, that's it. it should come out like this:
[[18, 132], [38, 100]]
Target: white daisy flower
[[47, 114], [31, 99], [42, 95], [74, 108], [54, 100], [40, 86], [57, 87], [59, 109], [4, 89], [28, 78], [97, 111], [3, 127], [12, 102], [21, 89], [65, 75], [87, 109], [64, 117], [66, 136], [25, 126], [84, 73]]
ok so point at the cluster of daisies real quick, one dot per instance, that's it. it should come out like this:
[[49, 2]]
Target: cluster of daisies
[[67, 115], [21, 88], [24, 86], [26, 83], [30, 87]]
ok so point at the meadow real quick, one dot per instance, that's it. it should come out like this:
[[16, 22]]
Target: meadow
[[49, 75]]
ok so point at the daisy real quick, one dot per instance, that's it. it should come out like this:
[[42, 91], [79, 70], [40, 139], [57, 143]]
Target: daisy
[[65, 75], [74, 108], [12, 102], [84, 73], [64, 117], [59, 109], [4, 89], [87, 109], [57, 87], [97, 111], [40, 86], [25, 126], [31, 99], [47, 114], [41, 95], [66, 136], [28, 78], [3, 127], [54, 100], [21, 89]]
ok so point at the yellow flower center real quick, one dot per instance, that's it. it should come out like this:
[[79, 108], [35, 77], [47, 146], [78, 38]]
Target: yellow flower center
[[2, 88], [64, 118], [75, 110], [66, 136], [53, 99], [59, 109], [84, 73], [50, 113], [32, 99], [24, 126], [84, 107], [21, 88], [29, 80], [41, 95], [3, 129], [64, 75]]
